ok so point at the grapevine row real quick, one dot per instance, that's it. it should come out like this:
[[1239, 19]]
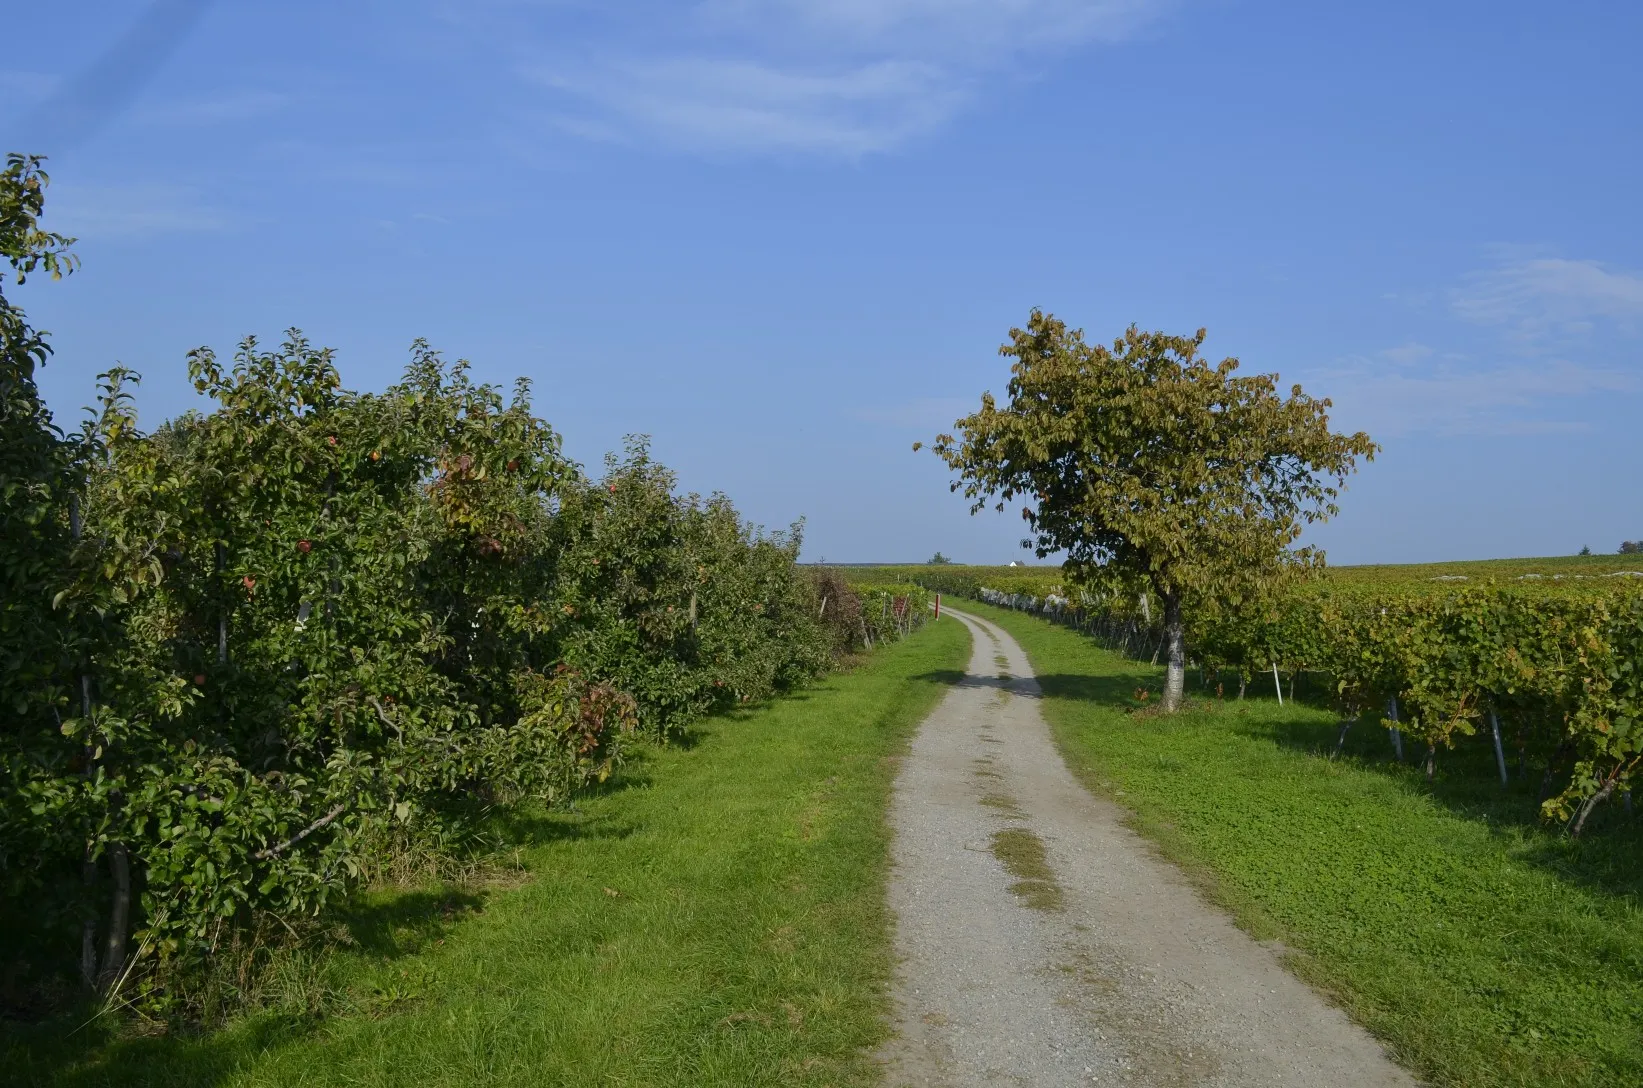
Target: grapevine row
[[1552, 666]]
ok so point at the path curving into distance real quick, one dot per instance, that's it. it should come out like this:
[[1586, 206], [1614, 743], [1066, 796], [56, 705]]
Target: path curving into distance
[[1041, 942]]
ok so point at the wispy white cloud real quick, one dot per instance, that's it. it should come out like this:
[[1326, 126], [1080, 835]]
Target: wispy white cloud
[[1524, 324], [95, 212], [737, 105], [948, 27], [1406, 354], [834, 78], [1539, 296], [216, 109], [1453, 396], [22, 86]]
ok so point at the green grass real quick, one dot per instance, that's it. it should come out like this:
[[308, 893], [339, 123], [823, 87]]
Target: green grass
[[1483, 948], [715, 916]]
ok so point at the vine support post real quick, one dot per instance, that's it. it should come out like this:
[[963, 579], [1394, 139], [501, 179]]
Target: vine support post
[[1277, 685], [1500, 752], [1397, 735]]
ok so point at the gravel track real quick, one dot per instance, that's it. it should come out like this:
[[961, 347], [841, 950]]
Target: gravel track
[[1044, 943]]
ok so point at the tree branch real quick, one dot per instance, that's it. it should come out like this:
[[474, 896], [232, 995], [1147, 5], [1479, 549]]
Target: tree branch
[[272, 851], [389, 722]]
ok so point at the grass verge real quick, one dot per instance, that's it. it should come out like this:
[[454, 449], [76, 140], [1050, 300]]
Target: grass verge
[[1483, 948], [715, 915]]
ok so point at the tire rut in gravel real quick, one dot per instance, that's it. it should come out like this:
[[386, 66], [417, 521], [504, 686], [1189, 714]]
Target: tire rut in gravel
[[1041, 942]]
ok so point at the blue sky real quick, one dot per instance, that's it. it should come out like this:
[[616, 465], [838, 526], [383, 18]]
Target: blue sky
[[785, 237]]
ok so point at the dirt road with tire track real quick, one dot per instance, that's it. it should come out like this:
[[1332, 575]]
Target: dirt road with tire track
[[1042, 942]]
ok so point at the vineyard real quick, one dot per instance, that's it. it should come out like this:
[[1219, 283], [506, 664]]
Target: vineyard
[[1543, 659], [252, 657]]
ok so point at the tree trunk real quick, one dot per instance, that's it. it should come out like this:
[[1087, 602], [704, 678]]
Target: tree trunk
[[1590, 803], [1340, 739], [88, 927], [1175, 676], [1553, 762], [119, 920]]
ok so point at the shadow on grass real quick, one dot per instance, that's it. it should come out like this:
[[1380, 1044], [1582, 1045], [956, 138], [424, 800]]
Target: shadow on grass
[[1605, 860], [106, 1060], [378, 925], [381, 926], [386, 926], [1117, 691], [1467, 782]]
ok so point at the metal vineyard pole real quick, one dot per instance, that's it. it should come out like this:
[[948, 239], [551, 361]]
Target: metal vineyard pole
[[1500, 753], [1397, 737]]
